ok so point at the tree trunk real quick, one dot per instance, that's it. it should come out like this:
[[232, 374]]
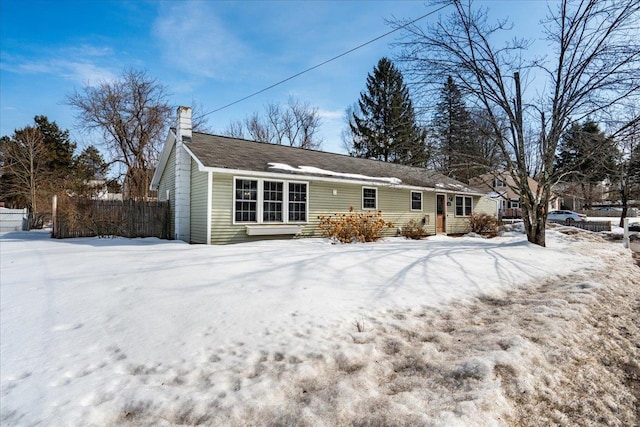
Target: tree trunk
[[534, 223]]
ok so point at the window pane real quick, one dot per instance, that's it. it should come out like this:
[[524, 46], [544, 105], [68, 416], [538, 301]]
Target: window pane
[[246, 200], [369, 198], [468, 206], [297, 202], [272, 201], [459, 205], [416, 201]]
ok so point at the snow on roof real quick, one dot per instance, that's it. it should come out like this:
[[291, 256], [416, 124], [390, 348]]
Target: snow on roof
[[318, 171]]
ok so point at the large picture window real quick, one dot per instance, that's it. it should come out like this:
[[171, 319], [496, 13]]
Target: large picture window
[[464, 205], [416, 200], [297, 202], [246, 200], [265, 201], [369, 198]]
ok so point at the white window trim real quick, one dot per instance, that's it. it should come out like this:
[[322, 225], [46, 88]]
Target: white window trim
[[464, 205], [421, 201], [233, 201], [260, 202], [306, 203], [362, 197]]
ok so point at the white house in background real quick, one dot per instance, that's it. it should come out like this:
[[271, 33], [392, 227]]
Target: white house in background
[[225, 190]]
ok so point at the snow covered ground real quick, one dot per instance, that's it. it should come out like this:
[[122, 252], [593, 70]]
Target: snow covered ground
[[443, 331]]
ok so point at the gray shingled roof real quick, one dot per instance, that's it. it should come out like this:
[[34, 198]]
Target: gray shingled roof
[[232, 153]]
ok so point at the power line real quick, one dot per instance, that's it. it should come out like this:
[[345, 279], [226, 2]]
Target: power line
[[324, 63]]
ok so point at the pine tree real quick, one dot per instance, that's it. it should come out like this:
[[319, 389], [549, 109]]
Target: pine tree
[[457, 135], [59, 147], [90, 164], [37, 162], [384, 127], [585, 156]]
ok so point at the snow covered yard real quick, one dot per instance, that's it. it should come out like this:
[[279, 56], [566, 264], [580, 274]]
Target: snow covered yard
[[444, 331]]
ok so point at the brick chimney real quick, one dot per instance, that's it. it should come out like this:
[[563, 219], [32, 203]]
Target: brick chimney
[[183, 176]]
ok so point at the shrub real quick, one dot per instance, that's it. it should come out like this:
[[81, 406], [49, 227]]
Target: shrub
[[484, 224], [354, 226], [413, 230]]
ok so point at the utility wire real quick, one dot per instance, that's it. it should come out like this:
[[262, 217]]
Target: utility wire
[[324, 63]]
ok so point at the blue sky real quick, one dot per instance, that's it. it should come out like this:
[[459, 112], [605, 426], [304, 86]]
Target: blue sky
[[210, 52]]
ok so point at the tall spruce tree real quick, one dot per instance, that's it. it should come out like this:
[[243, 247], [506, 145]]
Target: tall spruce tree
[[457, 136], [384, 127]]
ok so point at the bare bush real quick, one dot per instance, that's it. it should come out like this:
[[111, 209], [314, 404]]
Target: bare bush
[[354, 226], [484, 224], [413, 230]]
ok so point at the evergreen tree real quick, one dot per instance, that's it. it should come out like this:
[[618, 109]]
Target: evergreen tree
[[37, 162], [384, 127], [60, 149], [586, 156], [465, 145], [90, 164]]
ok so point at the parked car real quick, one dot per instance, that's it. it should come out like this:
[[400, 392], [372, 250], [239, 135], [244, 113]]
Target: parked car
[[635, 226], [567, 217]]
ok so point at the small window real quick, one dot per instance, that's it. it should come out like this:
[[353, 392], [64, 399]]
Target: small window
[[369, 198], [416, 200], [246, 200], [514, 205], [498, 183], [464, 205], [297, 202]]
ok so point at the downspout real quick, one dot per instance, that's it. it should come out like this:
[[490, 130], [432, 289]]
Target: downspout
[[209, 203]]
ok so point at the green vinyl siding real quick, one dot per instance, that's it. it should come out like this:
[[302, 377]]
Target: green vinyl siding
[[222, 228], [199, 200], [394, 203], [330, 198], [460, 224], [485, 205], [168, 184]]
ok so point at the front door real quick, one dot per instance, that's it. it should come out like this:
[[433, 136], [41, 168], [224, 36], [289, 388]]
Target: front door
[[441, 209]]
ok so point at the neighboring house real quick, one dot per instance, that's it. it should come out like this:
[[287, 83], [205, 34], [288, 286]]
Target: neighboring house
[[577, 196], [226, 190], [99, 190], [570, 196], [501, 187]]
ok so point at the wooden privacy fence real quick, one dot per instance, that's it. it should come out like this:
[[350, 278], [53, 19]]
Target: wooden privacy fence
[[129, 218]]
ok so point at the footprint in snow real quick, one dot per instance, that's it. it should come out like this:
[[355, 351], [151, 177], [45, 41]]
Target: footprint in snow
[[67, 327]]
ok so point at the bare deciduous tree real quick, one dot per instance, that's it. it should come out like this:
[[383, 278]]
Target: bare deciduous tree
[[593, 64], [132, 114], [625, 131], [24, 158], [296, 124]]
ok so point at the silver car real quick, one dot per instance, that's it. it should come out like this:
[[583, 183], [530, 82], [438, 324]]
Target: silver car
[[566, 217]]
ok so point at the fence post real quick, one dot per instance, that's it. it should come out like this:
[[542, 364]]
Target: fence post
[[54, 215], [25, 219], [625, 239]]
